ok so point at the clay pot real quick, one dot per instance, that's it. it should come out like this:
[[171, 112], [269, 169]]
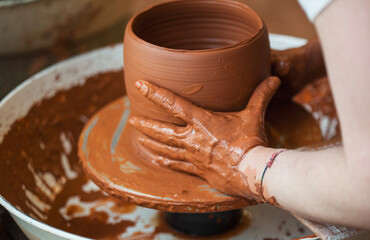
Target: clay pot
[[211, 52]]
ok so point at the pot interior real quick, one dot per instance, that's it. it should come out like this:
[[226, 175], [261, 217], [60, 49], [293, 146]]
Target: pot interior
[[197, 25]]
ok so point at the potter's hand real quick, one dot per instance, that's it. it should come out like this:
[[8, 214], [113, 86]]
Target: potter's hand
[[212, 144], [297, 67]]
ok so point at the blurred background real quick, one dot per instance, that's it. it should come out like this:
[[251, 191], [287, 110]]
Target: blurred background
[[35, 34]]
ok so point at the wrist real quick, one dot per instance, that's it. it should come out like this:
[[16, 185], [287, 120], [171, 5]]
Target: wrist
[[255, 165], [252, 166]]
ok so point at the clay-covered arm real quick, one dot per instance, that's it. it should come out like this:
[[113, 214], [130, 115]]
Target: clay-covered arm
[[334, 185]]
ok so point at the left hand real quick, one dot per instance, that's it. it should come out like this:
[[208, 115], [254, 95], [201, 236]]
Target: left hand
[[212, 144], [297, 67]]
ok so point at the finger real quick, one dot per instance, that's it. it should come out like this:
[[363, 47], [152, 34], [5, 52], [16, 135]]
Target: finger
[[177, 165], [262, 96], [281, 67], [174, 104], [162, 132], [163, 149]]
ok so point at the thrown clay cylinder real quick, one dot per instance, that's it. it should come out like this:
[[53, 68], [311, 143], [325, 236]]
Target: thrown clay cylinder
[[211, 52]]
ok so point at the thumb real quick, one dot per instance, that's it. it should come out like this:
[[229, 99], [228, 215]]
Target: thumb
[[281, 66], [262, 95]]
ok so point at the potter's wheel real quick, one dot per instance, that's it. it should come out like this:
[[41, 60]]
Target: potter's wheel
[[112, 166], [121, 172]]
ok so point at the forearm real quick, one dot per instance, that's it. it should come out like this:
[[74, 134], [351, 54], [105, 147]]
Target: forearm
[[317, 185]]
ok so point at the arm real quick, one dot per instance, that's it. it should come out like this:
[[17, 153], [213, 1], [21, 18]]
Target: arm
[[333, 185], [317, 185]]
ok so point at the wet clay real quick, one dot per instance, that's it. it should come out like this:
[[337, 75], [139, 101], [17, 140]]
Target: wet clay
[[40, 171], [316, 98], [108, 159], [121, 173], [299, 66], [196, 142], [212, 144], [213, 53], [32, 152]]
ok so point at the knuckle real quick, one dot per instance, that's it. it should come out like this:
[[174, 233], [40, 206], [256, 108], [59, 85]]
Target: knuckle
[[161, 161], [171, 164], [153, 94], [172, 141], [169, 101]]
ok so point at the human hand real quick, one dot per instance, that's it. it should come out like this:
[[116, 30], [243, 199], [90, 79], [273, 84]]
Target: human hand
[[212, 144], [297, 67]]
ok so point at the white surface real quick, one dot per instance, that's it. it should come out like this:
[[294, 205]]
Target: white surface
[[313, 8], [73, 72], [282, 42]]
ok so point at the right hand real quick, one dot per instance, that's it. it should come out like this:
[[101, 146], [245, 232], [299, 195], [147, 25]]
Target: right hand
[[212, 144]]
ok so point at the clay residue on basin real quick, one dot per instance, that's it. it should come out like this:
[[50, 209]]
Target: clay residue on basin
[[41, 174], [40, 168]]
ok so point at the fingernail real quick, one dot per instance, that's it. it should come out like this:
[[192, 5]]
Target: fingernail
[[142, 86], [138, 84], [273, 82], [132, 120]]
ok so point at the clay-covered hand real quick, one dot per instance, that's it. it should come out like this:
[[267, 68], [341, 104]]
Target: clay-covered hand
[[212, 144], [297, 67]]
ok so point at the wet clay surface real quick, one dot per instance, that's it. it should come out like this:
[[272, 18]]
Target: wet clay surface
[[41, 151], [40, 169], [214, 53], [317, 99], [104, 148], [107, 157]]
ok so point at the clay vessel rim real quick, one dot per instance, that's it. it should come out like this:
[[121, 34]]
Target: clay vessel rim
[[239, 44]]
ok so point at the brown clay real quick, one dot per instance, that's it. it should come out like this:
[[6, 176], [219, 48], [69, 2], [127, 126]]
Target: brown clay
[[214, 53], [216, 50], [108, 159], [32, 150], [212, 144], [289, 126], [297, 67]]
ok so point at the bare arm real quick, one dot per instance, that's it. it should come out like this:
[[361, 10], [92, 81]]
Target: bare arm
[[333, 185], [318, 185]]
